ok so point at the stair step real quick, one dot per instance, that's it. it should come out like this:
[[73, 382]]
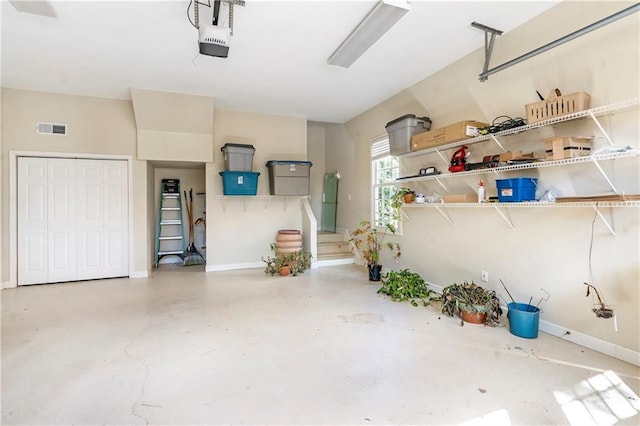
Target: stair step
[[177, 237], [166, 252], [330, 237], [171, 222], [334, 248], [334, 256]]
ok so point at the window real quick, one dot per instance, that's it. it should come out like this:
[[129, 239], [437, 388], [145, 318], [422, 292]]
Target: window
[[385, 169]]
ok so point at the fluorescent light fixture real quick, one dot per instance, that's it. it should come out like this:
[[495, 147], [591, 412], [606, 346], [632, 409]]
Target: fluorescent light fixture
[[41, 7], [381, 18]]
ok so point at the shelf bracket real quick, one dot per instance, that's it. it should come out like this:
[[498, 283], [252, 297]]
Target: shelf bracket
[[602, 172], [489, 39], [505, 218], [447, 162], [595, 120], [444, 214], [441, 184], [604, 220], [498, 143]]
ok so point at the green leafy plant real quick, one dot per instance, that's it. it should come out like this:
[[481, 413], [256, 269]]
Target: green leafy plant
[[406, 285], [370, 242], [473, 298], [403, 195], [298, 261]]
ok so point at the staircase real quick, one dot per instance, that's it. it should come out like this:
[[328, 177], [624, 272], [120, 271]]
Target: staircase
[[333, 249]]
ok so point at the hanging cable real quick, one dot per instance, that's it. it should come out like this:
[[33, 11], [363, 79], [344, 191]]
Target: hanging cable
[[601, 311]]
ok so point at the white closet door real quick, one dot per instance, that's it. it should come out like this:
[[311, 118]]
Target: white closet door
[[90, 217], [72, 219], [116, 218], [61, 219], [32, 221], [102, 219]]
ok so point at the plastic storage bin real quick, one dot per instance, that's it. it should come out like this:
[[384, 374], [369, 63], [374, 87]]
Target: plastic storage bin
[[238, 157], [402, 128], [288, 177], [239, 183], [516, 189]]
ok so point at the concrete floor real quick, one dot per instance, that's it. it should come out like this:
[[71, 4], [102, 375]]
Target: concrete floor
[[185, 347]]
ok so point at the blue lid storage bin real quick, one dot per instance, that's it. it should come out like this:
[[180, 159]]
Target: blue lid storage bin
[[239, 183], [288, 177], [516, 189]]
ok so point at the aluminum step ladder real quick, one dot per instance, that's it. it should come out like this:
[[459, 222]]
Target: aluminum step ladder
[[170, 230]]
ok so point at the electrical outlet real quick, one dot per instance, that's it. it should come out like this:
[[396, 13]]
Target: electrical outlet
[[485, 276]]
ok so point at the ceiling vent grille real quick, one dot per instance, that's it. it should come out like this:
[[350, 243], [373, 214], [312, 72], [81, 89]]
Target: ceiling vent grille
[[52, 129]]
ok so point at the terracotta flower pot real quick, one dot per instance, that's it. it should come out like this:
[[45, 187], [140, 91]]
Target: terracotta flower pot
[[284, 271], [409, 198], [473, 316]]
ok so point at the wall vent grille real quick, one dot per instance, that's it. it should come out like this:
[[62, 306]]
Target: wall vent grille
[[52, 129]]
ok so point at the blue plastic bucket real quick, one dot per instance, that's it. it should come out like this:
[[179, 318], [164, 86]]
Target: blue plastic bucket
[[523, 320]]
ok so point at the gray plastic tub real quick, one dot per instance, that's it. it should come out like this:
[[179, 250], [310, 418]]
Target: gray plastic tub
[[238, 157], [288, 177], [402, 128]]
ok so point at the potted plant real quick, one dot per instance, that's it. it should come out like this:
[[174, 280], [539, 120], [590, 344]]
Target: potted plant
[[472, 302], [404, 195], [370, 243], [284, 263], [406, 285]]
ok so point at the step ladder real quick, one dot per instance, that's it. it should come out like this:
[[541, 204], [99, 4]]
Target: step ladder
[[170, 231]]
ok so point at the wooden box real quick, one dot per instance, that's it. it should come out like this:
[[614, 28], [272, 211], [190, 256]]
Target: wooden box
[[557, 106]]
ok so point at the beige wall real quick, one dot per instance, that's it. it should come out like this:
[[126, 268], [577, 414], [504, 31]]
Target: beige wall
[[240, 229], [548, 248], [107, 127], [316, 153], [173, 126], [95, 126]]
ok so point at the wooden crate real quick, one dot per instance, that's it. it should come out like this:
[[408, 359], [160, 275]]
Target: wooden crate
[[557, 106]]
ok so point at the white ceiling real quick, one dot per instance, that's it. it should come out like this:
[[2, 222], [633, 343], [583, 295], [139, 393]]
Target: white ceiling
[[277, 60]]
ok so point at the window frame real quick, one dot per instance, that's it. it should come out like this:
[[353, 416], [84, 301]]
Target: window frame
[[379, 150]]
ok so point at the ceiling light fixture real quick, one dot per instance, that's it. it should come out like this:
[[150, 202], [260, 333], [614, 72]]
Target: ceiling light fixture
[[381, 18], [41, 7]]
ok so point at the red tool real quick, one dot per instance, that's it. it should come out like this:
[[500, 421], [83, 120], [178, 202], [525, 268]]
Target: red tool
[[459, 160]]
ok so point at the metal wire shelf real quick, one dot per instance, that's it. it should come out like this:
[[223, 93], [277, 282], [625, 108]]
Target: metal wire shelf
[[534, 165], [593, 112]]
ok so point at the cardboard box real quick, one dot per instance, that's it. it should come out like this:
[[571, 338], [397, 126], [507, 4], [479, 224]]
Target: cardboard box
[[560, 147], [461, 198], [452, 133], [509, 155]]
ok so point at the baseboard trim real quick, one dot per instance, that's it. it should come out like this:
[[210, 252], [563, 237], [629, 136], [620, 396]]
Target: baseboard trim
[[335, 262], [7, 284], [598, 345], [233, 266], [139, 274], [593, 343]]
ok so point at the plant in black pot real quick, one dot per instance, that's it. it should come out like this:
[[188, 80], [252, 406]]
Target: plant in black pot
[[369, 241], [472, 302]]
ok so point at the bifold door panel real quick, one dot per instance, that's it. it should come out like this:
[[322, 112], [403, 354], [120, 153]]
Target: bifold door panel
[[72, 219]]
